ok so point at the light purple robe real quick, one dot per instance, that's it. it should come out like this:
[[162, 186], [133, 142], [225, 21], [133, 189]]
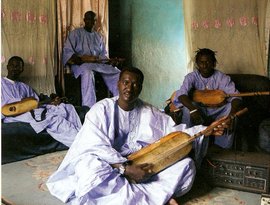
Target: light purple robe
[[218, 81], [108, 136], [61, 122], [81, 42]]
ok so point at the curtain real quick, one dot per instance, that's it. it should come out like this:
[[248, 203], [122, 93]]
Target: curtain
[[233, 28], [28, 31], [70, 14], [267, 35]]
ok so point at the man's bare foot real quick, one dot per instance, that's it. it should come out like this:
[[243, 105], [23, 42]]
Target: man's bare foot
[[172, 202]]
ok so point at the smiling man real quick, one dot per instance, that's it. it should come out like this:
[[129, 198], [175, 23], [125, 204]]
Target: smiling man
[[95, 170]]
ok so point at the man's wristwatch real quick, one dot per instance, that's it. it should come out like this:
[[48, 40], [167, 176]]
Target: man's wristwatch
[[122, 169]]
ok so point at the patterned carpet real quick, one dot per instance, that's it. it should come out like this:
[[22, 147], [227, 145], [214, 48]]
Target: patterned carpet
[[204, 194], [23, 183]]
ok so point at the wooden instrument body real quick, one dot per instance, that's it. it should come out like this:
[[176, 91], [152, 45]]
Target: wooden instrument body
[[215, 98], [164, 152], [20, 107], [28, 104], [209, 97]]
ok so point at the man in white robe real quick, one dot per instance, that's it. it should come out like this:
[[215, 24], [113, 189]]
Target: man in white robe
[[95, 170], [60, 121]]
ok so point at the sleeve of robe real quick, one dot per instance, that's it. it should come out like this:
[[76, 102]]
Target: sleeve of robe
[[227, 85], [14, 92], [84, 167], [186, 86]]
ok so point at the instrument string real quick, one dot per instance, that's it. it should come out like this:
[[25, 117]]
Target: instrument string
[[226, 120]]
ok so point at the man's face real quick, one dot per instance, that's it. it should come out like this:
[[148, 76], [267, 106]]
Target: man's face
[[15, 68], [89, 22], [205, 65], [129, 87]]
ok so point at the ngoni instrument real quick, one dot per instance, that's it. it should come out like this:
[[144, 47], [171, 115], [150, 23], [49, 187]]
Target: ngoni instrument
[[19, 107], [25, 105], [173, 147], [214, 98], [94, 59]]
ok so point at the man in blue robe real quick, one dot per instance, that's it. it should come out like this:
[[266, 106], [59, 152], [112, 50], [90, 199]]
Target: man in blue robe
[[61, 121], [84, 50], [206, 77], [95, 170]]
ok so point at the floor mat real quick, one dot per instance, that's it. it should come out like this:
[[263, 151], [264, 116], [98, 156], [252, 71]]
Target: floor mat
[[24, 183]]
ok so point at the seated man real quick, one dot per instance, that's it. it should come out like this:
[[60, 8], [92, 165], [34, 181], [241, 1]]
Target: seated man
[[95, 169], [85, 51], [206, 77], [61, 121]]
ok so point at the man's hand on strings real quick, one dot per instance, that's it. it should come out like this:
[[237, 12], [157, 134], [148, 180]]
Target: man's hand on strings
[[219, 126], [116, 62], [75, 60]]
